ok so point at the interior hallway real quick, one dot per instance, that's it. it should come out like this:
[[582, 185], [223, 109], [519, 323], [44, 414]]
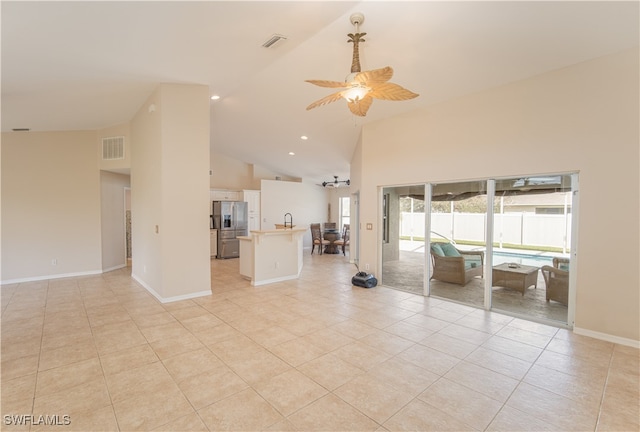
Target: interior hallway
[[310, 354]]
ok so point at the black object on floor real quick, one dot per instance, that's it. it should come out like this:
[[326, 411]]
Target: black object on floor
[[365, 280]]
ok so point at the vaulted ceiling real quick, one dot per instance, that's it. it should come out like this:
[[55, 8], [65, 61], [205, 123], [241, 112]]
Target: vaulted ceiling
[[90, 65]]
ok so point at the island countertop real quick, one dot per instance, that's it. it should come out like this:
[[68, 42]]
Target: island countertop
[[283, 231], [268, 256]]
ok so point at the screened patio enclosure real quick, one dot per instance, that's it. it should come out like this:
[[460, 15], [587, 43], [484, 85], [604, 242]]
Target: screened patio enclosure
[[529, 220]]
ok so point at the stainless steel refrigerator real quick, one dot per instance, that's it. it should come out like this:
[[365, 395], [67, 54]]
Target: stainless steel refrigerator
[[231, 220]]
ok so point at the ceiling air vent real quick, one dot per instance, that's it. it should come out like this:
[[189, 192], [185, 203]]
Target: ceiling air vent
[[273, 39], [113, 148]]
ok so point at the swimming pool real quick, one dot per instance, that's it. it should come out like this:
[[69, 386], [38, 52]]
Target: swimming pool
[[535, 260]]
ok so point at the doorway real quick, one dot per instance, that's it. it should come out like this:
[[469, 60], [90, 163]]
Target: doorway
[[403, 238], [530, 223]]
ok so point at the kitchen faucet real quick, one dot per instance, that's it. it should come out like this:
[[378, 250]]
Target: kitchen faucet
[[290, 220]]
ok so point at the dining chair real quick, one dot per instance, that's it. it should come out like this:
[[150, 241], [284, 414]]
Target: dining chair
[[316, 238], [344, 240]]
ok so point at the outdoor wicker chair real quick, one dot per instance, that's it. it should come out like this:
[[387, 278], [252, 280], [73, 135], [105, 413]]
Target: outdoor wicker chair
[[556, 279], [455, 266]]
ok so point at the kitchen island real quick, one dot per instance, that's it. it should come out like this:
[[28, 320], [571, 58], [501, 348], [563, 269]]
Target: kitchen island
[[268, 256]]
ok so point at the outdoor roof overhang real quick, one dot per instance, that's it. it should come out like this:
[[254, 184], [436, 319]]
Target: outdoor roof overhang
[[457, 191]]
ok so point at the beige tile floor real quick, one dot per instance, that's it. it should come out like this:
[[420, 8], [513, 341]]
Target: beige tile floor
[[310, 354]]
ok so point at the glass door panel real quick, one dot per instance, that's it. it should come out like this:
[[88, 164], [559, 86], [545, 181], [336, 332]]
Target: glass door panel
[[531, 245], [403, 222], [457, 241]]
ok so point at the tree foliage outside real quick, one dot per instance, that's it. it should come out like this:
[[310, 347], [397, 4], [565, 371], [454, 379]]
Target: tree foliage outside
[[405, 205], [477, 204]]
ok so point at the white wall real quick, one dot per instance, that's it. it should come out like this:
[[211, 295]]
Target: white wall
[[146, 194], [185, 185], [305, 201], [112, 209], [170, 192], [50, 205], [233, 174], [229, 173], [582, 119]]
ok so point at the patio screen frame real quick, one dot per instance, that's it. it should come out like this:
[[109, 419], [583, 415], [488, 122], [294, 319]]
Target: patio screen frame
[[489, 231]]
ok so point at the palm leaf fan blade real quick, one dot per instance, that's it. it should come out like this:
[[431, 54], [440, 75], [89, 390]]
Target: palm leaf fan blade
[[390, 91], [375, 76], [360, 107], [326, 83], [325, 100]]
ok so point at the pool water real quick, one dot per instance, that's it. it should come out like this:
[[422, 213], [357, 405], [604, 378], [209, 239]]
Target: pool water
[[520, 258]]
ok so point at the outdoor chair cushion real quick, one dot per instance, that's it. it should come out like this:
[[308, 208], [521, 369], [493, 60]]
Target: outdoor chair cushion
[[437, 249], [458, 269], [472, 262], [449, 250]]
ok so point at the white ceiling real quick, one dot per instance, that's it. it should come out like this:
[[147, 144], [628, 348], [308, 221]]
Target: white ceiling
[[89, 65]]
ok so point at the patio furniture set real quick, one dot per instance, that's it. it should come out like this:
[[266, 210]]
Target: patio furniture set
[[453, 265]]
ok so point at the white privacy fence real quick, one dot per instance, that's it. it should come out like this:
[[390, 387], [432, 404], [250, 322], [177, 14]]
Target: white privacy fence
[[513, 228]]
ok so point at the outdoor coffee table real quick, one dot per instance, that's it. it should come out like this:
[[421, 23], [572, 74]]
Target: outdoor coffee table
[[519, 278]]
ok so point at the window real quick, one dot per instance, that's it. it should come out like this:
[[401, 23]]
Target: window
[[345, 211]]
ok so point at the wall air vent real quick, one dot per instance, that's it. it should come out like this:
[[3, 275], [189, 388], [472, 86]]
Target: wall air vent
[[113, 148], [273, 39]]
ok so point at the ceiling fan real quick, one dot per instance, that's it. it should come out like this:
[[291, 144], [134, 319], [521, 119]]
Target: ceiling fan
[[360, 88], [335, 183]]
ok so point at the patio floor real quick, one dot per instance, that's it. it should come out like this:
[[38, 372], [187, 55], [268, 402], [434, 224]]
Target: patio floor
[[407, 274]]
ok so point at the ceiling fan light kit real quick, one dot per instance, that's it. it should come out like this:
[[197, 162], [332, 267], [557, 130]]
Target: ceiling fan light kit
[[336, 183], [360, 88]]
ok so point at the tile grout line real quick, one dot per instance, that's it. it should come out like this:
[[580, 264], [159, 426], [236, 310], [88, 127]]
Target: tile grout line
[[93, 339], [44, 318], [604, 389]]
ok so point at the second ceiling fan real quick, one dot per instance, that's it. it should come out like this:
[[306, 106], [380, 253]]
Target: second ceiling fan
[[360, 88]]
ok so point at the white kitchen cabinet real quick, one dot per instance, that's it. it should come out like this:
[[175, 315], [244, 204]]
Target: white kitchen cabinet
[[214, 242], [254, 222], [224, 195], [252, 198]]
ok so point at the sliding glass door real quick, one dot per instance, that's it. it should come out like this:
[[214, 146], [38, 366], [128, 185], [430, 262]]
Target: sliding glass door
[[403, 238], [457, 241], [435, 242], [531, 246]]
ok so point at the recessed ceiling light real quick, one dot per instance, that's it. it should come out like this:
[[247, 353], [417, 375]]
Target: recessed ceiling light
[[292, 154], [215, 97], [304, 137]]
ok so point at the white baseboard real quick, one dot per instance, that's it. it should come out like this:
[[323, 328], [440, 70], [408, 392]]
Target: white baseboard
[[607, 337], [118, 267], [56, 276], [274, 280], [170, 299]]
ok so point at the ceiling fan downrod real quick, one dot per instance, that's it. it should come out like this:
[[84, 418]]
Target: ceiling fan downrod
[[357, 37]]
